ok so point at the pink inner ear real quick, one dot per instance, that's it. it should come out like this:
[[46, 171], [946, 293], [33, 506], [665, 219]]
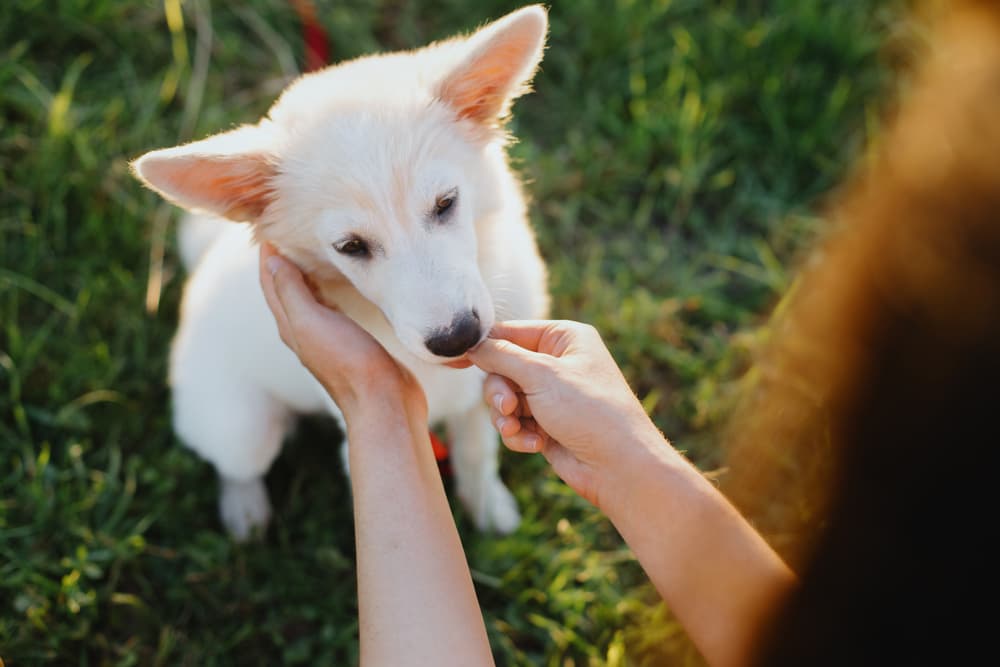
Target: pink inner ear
[[234, 187], [244, 186], [482, 88], [480, 105]]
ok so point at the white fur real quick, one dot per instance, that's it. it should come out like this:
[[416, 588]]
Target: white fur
[[363, 149]]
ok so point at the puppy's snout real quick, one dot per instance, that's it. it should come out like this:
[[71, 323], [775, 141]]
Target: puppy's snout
[[459, 337]]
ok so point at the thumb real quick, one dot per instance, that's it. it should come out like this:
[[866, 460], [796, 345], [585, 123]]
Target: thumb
[[502, 357], [292, 292]]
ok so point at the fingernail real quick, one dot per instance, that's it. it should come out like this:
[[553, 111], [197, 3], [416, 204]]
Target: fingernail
[[500, 423], [498, 402], [273, 264], [532, 442]]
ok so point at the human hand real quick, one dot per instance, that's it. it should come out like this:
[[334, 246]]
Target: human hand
[[554, 388], [350, 364]]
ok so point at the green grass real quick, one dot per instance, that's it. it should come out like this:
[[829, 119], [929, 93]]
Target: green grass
[[674, 152]]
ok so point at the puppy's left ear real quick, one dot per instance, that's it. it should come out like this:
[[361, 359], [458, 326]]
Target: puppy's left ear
[[500, 62]]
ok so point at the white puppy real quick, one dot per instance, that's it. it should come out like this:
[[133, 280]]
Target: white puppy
[[386, 180]]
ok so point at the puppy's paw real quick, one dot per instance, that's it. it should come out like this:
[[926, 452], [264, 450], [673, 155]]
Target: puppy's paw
[[499, 513], [244, 508]]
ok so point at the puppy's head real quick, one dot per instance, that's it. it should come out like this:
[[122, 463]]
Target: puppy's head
[[381, 171]]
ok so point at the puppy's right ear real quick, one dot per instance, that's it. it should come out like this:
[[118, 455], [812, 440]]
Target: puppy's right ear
[[229, 174]]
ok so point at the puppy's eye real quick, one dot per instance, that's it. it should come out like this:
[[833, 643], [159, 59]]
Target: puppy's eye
[[444, 203], [353, 248]]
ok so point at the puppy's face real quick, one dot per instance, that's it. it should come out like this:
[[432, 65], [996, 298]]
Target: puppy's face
[[377, 171], [391, 202]]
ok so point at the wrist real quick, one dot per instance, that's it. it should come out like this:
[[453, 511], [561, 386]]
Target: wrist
[[643, 458], [384, 434], [383, 406], [375, 399]]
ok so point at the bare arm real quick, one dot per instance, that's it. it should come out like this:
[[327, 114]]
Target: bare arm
[[413, 579], [557, 390], [716, 573]]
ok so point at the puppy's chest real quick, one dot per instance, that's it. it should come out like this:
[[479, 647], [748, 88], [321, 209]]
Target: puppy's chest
[[451, 391]]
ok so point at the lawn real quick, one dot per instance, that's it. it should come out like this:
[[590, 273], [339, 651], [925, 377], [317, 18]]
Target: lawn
[[677, 153]]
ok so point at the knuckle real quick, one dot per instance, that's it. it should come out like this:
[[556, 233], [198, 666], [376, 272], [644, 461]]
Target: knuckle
[[588, 330], [493, 386], [505, 346]]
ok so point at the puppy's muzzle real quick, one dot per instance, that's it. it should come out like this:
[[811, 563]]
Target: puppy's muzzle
[[464, 332]]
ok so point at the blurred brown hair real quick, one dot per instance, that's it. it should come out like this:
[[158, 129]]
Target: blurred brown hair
[[866, 449]]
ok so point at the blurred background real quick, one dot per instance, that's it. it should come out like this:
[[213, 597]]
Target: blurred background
[[678, 155]]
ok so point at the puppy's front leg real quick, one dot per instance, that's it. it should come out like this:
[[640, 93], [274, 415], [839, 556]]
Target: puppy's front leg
[[236, 426], [474, 451]]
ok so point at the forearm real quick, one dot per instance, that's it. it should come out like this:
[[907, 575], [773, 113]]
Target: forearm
[[413, 578], [716, 573]]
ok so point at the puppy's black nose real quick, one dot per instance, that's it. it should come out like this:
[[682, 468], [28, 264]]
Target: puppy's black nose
[[456, 339]]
